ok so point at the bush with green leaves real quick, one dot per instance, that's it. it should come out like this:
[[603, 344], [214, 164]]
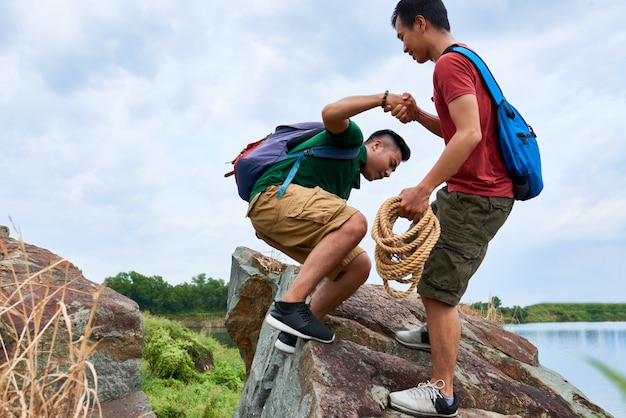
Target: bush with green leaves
[[228, 374], [173, 351], [167, 358], [171, 376]]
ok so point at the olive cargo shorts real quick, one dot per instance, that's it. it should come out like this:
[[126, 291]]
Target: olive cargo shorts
[[297, 222], [468, 223]]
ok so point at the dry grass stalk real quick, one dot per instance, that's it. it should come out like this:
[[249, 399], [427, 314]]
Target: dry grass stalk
[[467, 310], [272, 263], [493, 312], [44, 370]]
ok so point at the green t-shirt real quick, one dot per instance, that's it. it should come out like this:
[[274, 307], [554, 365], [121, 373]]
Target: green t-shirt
[[335, 176]]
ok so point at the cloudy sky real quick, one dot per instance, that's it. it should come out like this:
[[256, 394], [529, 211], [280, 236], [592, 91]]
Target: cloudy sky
[[117, 118]]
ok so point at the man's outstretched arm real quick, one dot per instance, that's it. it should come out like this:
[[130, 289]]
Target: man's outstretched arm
[[336, 115], [409, 111]]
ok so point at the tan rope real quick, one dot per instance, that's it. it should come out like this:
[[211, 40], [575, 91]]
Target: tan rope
[[399, 256]]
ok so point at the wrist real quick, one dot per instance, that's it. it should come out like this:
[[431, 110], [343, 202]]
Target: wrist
[[426, 186], [383, 103], [418, 116]]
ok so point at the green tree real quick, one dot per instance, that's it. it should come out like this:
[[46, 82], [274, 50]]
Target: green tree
[[121, 284], [150, 293], [155, 295]]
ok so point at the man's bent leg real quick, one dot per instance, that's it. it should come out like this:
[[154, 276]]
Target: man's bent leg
[[332, 292], [292, 315], [316, 228], [326, 255], [444, 329]]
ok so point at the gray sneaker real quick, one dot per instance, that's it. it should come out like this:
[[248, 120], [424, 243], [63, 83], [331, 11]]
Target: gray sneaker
[[424, 400], [414, 338]]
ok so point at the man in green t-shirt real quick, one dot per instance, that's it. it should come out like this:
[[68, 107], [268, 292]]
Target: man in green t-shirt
[[312, 223]]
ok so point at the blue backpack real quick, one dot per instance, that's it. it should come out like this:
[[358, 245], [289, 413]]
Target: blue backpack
[[518, 141], [287, 141]]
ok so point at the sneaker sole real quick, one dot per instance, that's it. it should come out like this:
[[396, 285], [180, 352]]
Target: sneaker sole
[[420, 414], [420, 346], [285, 348], [275, 323]]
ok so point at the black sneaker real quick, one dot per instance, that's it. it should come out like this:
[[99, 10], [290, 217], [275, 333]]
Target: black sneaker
[[286, 343], [297, 319]]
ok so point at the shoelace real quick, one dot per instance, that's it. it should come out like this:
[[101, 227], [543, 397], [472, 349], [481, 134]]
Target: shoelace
[[305, 313], [428, 390]]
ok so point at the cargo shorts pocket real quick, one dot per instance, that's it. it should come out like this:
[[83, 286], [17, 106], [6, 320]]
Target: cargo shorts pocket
[[314, 205], [452, 263]]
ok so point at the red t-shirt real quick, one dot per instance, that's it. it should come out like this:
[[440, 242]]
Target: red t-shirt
[[484, 172]]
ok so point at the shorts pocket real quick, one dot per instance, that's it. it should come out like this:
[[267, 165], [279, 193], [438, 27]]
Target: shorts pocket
[[452, 263], [314, 205]]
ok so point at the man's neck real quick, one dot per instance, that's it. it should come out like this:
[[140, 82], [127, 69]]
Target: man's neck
[[444, 41]]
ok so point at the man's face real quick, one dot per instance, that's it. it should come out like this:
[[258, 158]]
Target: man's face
[[381, 162], [411, 38]]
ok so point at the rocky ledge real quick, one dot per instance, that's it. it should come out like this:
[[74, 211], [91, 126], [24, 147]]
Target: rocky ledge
[[35, 277], [498, 372]]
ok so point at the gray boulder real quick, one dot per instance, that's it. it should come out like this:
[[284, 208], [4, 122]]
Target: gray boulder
[[45, 279], [498, 373]]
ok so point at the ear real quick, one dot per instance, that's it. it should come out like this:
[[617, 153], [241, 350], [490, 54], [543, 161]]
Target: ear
[[420, 23], [377, 145]]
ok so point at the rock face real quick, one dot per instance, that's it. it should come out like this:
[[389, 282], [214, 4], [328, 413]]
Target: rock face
[[118, 325], [498, 373]]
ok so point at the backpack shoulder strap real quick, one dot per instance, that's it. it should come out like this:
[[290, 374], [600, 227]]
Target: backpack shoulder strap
[[311, 147], [328, 152], [333, 153], [307, 130], [485, 73]]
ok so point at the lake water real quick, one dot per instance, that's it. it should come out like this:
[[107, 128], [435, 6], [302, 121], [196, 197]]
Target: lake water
[[565, 348], [221, 335]]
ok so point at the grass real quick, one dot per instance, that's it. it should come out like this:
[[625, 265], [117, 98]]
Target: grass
[[618, 380], [44, 370], [175, 388]]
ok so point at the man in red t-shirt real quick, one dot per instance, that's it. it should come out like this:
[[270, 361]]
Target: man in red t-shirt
[[471, 207]]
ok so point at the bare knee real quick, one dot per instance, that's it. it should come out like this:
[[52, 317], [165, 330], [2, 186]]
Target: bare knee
[[356, 226], [365, 264], [360, 267]]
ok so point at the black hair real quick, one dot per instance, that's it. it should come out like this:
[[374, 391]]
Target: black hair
[[397, 140], [432, 10]]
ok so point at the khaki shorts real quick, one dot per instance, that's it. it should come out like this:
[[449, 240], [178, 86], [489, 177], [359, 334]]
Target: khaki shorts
[[297, 222], [468, 223]]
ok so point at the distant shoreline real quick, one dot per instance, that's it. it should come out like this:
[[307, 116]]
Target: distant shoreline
[[558, 312], [538, 313]]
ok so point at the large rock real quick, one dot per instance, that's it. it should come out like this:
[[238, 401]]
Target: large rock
[[45, 280], [498, 373]]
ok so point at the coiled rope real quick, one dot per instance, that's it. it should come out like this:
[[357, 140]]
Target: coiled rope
[[399, 256]]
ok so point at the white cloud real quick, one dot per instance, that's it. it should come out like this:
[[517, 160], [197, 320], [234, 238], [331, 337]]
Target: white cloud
[[117, 119]]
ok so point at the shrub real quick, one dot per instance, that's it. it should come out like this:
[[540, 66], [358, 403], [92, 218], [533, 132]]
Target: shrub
[[166, 357], [212, 394], [174, 351]]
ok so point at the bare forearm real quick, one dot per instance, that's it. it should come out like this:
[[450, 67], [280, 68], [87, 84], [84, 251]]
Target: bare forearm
[[452, 158], [466, 119], [408, 111], [335, 115], [428, 121], [415, 200]]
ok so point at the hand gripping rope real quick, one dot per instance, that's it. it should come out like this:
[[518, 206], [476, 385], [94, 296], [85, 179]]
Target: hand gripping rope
[[399, 256]]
